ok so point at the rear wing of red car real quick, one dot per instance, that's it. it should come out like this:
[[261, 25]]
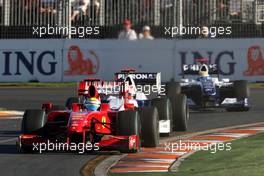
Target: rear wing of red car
[[102, 87], [114, 87]]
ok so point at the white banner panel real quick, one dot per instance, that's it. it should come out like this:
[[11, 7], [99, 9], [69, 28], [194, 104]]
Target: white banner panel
[[25, 60], [101, 59], [237, 58], [73, 60]]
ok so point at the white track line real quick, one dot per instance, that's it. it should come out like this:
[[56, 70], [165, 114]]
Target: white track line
[[255, 128], [149, 160], [234, 135], [11, 118], [8, 140], [140, 171], [140, 166]]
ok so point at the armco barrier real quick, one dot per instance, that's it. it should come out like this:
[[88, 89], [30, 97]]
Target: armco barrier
[[72, 60]]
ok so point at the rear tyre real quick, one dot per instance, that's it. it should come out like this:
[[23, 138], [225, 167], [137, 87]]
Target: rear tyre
[[150, 126], [180, 112], [241, 89], [128, 123], [33, 121], [164, 108], [70, 101], [173, 89]]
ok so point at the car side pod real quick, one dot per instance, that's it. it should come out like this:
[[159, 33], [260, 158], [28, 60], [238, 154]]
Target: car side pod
[[127, 144]]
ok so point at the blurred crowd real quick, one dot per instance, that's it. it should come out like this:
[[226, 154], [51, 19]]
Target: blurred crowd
[[130, 34], [145, 14], [115, 11], [47, 11]]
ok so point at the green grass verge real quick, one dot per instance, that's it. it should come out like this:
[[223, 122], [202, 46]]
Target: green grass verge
[[36, 84], [245, 158]]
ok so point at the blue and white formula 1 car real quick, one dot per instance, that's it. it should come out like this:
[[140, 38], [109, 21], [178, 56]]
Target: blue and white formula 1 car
[[212, 92]]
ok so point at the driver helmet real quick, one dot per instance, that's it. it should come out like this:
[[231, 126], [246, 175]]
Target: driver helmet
[[92, 104], [204, 71]]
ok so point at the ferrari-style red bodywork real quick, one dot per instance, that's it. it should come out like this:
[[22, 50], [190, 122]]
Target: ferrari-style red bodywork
[[79, 125]]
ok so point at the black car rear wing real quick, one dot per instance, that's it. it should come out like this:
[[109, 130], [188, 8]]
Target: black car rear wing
[[140, 78]]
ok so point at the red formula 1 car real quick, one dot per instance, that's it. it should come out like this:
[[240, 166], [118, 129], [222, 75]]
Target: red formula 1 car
[[116, 124]]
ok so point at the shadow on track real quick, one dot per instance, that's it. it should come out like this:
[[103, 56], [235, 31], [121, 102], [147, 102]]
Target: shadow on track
[[8, 149], [9, 133]]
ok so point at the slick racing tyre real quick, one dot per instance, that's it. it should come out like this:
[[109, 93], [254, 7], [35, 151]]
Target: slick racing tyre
[[150, 126], [33, 121], [241, 91], [128, 123], [173, 89], [180, 112], [70, 101], [164, 108]]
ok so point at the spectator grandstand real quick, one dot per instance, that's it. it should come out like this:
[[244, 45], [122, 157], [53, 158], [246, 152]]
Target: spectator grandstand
[[18, 17]]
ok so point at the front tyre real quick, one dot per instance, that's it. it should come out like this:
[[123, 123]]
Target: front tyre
[[180, 112], [128, 124], [150, 126], [241, 92]]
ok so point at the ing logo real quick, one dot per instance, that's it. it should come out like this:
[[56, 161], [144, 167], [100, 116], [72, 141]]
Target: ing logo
[[255, 62], [79, 65]]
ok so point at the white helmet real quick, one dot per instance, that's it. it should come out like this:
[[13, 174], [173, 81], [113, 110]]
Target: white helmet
[[204, 70]]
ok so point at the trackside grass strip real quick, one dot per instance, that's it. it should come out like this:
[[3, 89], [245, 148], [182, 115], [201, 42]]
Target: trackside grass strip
[[244, 159]]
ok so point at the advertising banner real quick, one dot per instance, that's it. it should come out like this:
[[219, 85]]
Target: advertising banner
[[27, 60], [73, 60], [101, 59], [236, 58]]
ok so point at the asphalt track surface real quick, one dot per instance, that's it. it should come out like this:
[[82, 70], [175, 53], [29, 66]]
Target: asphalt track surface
[[14, 163]]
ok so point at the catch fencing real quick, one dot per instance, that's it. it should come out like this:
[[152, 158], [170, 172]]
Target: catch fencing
[[17, 17]]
